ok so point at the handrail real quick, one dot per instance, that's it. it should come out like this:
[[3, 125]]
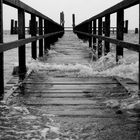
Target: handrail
[[122, 5], [49, 33], [87, 30], [122, 44], [18, 4], [14, 44]]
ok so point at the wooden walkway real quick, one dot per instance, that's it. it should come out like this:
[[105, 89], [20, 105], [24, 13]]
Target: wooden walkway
[[77, 103]]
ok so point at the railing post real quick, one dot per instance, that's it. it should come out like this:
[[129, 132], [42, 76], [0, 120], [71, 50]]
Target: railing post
[[33, 33], [41, 40], [46, 40], [90, 32], [12, 27], [107, 33], [99, 41], [16, 27], [21, 35], [120, 31], [94, 32], [126, 27], [73, 21], [139, 52], [1, 54]]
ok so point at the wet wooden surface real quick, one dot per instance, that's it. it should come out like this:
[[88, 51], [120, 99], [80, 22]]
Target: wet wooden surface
[[77, 103]]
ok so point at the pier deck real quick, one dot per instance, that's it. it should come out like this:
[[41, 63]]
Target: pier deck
[[85, 108]]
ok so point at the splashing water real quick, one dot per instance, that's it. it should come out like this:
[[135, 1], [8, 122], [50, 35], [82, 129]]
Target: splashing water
[[106, 66]]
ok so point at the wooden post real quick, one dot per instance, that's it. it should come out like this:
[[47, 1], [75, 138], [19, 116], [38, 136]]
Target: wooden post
[[90, 32], [1, 54], [12, 27], [136, 30], [73, 20], [41, 40], [94, 32], [139, 52], [33, 33], [46, 40], [21, 35], [107, 33], [99, 41], [29, 26], [126, 27], [16, 27], [120, 27]]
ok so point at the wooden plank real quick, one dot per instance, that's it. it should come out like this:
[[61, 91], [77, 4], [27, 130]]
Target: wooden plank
[[122, 44], [59, 101], [18, 43], [1, 54], [21, 35]]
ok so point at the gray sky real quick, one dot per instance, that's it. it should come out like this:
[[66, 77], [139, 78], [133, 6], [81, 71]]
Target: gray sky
[[83, 10]]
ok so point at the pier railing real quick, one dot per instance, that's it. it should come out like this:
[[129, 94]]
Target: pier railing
[[51, 29], [87, 30]]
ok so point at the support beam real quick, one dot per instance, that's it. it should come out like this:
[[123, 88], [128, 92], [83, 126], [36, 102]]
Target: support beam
[[73, 20], [33, 33], [99, 41], [46, 40], [107, 34], [41, 40], [1, 54], [139, 52], [12, 27], [120, 31], [21, 35], [90, 32], [94, 32]]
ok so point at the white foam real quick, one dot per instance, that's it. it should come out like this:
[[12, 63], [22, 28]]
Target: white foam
[[105, 66]]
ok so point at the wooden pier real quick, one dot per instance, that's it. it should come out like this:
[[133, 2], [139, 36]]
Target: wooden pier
[[85, 107], [77, 103]]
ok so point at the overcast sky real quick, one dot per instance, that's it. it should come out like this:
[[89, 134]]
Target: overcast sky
[[83, 9]]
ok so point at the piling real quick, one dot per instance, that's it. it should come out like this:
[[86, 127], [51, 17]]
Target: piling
[[107, 33], [126, 26], [12, 27], [41, 40], [1, 54], [90, 32], [94, 32], [136, 30], [120, 27], [33, 33], [16, 27], [62, 21], [99, 40], [21, 49], [73, 20]]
